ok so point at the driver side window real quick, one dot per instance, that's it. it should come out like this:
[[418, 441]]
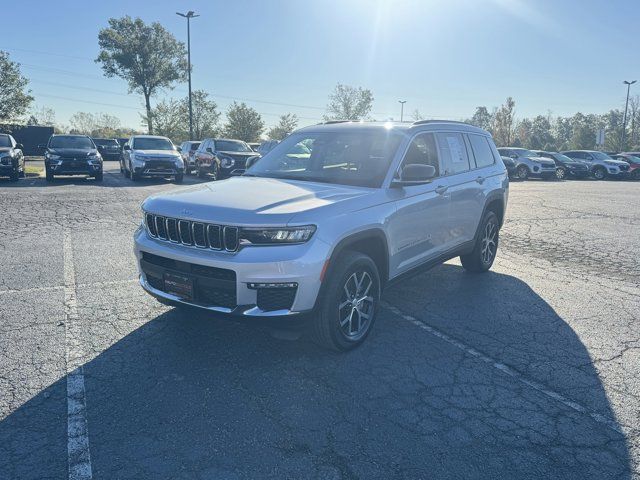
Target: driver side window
[[423, 151]]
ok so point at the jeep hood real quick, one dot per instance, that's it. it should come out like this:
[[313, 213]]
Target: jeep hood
[[256, 201]]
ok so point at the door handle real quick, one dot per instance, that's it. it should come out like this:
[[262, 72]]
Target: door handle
[[480, 180], [440, 189]]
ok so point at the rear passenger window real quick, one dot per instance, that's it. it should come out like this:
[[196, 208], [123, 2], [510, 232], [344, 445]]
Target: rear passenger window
[[481, 150], [454, 152]]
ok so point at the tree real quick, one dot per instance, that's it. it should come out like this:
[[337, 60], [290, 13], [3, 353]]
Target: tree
[[169, 119], [243, 123], [416, 116], [205, 115], [82, 123], [349, 103], [285, 126], [504, 123], [482, 118], [42, 116], [15, 98], [148, 57]]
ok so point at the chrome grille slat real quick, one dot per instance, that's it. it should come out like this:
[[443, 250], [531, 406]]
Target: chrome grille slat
[[198, 234]]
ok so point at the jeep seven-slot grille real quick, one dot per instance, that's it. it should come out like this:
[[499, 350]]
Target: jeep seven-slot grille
[[186, 232]]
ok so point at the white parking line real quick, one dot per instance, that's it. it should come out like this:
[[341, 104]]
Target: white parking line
[[60, 287], [505, 369], [78, 457]]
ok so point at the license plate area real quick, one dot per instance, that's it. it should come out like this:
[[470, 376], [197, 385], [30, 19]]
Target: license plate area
[[179, 285]]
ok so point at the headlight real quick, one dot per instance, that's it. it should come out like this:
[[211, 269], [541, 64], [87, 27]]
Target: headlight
[[50, 156], [137, 159], [275, 236], [179, 162]]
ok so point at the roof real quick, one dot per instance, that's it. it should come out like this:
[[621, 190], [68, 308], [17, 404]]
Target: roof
[[150, 136], [423, 125]]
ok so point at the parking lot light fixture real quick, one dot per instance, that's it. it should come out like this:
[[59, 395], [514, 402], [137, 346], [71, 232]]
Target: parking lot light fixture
[[402, 102], [624, 118], [189, 15]]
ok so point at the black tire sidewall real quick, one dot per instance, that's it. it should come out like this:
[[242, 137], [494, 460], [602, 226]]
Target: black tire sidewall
[[345, 266]]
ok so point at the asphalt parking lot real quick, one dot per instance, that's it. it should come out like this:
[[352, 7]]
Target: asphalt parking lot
[[529, 371]]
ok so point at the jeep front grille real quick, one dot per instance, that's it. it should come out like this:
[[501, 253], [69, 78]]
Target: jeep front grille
[[186, 232]]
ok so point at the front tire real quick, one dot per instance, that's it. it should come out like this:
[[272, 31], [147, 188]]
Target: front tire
[[522, 172], [349, 303], [15, 175], [179, 178], [599, 173], [99, 176], [49, 176], [561, 173], [484, 251]]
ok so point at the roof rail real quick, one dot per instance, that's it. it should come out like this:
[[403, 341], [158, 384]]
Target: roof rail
[[424, 122]]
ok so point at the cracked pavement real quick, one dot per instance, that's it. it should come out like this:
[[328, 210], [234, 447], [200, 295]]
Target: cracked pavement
[[552, 390]]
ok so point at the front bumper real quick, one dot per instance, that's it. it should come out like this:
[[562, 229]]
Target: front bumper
[[544, 171], [290, 264], [74, 168], [157, 171], [7, 169]]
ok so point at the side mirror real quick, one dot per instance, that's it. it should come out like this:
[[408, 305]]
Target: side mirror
[[19, 146], [415, 174], [179, 149], [126, 147]]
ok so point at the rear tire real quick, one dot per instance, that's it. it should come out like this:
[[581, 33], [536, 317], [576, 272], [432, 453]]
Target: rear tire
[[135, 176], [484, 251], [15, 176], [636, 174], [350, 300]]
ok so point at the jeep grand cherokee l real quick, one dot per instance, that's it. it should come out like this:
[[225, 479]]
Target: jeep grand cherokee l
[[314, 237], [71, 155], [11, 158], [151, 156]]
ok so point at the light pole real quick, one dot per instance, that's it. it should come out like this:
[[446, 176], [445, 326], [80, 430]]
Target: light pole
[[189, 15], [402, 102], [624, 119]]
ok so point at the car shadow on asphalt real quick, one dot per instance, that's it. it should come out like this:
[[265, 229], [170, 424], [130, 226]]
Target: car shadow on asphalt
[[188, 395]]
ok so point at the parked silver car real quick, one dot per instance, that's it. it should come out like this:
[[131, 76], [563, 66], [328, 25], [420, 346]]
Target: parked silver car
[[151, 156], [324, 231], [529, 164], [600, 164]]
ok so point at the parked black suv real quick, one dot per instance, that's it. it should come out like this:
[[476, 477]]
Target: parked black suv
[[72, 155], [109, 148], [11, 158], [565, 167]]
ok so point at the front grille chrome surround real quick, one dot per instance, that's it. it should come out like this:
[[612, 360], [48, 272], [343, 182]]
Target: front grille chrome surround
[[193, 234]]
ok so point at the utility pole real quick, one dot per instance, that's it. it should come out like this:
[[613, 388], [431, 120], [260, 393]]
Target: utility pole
[[189, 15], [624, 119], [402, 102]]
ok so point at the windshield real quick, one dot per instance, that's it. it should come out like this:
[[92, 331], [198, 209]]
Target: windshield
[[71, 141], [4, 141], [354, 158], [232, 146], [525, 153], [105, 142], [143, 143], [601, 156]]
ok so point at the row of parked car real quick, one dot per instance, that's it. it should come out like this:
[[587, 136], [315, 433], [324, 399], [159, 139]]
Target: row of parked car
[[523, 164]]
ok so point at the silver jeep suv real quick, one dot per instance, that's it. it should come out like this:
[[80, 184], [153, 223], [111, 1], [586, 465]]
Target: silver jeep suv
[[322, 223]]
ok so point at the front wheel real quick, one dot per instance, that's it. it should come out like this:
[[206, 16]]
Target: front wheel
[[349, 303], [179, 178], [49, 176], [599, 173], [484, 251], [99, 176], [635, 175], [523, 172], [561, 173]]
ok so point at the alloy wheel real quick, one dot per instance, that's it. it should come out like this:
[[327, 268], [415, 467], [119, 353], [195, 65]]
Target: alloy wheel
[[356, 307], [560, 173], [489, 242], [523, 172], [599, 174]]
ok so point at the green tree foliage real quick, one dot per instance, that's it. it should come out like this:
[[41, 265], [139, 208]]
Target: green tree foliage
[[169, 119], [285, 126], [205, 115], [349, 103], [148, 57], [243, 123], [15, 98], [504, 123], [482, 118]]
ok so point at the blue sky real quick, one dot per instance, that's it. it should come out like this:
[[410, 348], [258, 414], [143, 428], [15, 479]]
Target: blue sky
[[443, 57]]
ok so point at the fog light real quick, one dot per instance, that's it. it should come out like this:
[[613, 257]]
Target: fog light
[[256, 286]]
